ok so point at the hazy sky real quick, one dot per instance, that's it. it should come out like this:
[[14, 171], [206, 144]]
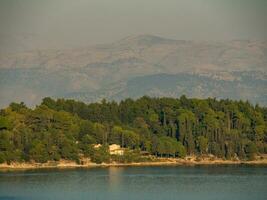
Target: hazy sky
[[66, 23]]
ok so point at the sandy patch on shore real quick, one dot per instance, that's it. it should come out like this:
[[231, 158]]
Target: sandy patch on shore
[[156, 162]]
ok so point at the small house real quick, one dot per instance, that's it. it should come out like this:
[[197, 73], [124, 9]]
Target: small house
[[115, 149]]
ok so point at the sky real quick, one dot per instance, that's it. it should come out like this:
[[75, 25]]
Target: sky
[[72, 23]]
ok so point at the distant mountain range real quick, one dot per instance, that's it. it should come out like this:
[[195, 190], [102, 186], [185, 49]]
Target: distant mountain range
[[137, 66]]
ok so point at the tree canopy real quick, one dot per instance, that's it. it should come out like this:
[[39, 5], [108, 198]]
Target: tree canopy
[[66, 129]]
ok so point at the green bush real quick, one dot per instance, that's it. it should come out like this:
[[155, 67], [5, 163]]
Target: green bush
[[130, 156], [38, 152], [251, 150], [2, 157], [100, 155]]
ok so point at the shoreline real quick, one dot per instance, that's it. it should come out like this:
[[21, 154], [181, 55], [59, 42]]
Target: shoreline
[[164, 162]]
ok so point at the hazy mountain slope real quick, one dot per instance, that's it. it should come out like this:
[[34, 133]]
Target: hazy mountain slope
[[245, 85], [110, 71], [149, 51]]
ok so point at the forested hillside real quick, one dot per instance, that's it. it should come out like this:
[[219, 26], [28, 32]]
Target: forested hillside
[[68, 129]]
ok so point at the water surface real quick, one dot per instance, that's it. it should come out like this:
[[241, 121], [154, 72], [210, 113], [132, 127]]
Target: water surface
[[137, 183]]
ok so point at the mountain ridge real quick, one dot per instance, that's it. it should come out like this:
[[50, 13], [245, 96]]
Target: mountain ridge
[[104, 70]]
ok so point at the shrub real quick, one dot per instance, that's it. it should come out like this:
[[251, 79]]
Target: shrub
[[2, 157], [100, 155]]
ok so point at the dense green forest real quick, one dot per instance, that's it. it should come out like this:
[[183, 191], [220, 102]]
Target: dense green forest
[[165, 127]]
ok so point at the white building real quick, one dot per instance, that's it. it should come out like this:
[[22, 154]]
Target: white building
[[115, 149]]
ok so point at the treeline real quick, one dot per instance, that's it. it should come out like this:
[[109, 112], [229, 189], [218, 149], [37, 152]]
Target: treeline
[[167, 127]]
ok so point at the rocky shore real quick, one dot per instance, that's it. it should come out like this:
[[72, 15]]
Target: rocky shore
[[156, 162]]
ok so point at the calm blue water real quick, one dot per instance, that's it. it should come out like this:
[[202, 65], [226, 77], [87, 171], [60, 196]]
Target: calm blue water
[[137, 183]]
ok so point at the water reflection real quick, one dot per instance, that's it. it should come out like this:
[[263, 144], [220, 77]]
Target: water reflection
[[115, 177], [131, 183]]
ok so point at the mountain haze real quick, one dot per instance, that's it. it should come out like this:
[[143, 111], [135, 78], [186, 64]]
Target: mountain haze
[[136, 66]]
